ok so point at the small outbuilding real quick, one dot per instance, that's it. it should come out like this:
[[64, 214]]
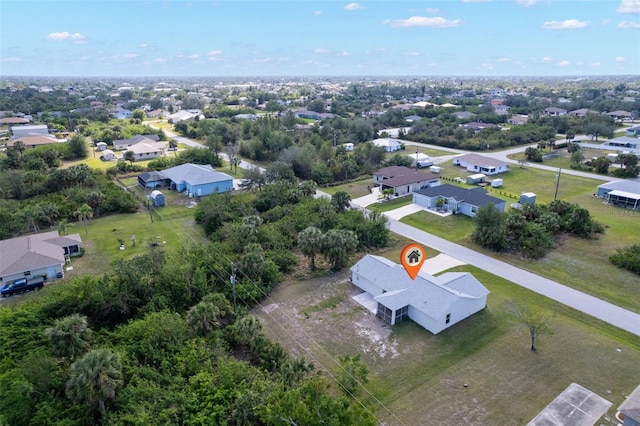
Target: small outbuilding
[[108, 155], [527, 198], [101, 146], [475, 179], [157, 198], [496, 183]]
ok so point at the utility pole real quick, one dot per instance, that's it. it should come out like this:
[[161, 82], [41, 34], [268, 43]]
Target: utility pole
[[232, 279], [557, 184]]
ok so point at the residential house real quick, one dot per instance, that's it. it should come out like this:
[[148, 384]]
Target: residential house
[[395, 132], [412, 118], [435, 303], [123, 144], [582, 112], [312, 114], [555, 111], [196, 179], [518, 119], [120, 113], [479, 164], [476, 126], [147, 150], [33, 141], [464, 115], [623, 193], [501, 109], [618, 114], [250, 117], [181, 116], [624, 142], [456, 199], [38, 255], [13, 120], [403, 180], [633, 131], [32, 130], [389, 144]]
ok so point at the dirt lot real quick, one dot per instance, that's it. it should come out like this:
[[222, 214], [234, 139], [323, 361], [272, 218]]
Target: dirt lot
[[416, 378]]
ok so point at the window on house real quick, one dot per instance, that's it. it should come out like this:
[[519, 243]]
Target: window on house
[[384, 313], [474, 209], [448, 319]]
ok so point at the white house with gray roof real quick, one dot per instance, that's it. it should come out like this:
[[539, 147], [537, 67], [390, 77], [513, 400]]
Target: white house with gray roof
[[479, 164], [435, 303], [37, 255]]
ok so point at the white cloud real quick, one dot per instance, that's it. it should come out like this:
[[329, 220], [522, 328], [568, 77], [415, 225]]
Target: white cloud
[[423, 21], [412, 54], [12, 59], [595, 64], [546, 59], [629, 24], [563, 63], [569, 24], [353, 6], [629, 6], [213, 53], [130, 55], [143, 45], [432, 11], [620, 59], [159, 60], [66, 36], [503, 60], [527, 3], [318, 13], [321, 51]]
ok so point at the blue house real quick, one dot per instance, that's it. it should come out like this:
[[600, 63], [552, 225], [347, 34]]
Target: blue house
[[196, 179], [456, 199]]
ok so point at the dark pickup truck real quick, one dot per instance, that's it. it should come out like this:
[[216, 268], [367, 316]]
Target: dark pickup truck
[[21, 286]]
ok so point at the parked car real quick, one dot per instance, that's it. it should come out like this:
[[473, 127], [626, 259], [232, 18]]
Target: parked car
[[21, 286]]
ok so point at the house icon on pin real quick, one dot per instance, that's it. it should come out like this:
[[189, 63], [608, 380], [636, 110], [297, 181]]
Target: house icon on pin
[[414, 257]]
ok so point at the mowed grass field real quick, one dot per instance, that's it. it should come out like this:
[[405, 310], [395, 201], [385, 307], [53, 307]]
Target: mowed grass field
[[416, 378], [172, 227]]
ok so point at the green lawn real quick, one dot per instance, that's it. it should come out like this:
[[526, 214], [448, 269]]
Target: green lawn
[[172, 227], [393, 204], [356, 189]]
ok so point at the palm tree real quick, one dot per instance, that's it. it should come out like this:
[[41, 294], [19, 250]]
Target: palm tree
[[95, 377], [213, 312], [84, 213], [62, 227], [95, 199], [338, 245], [247, 331], [69, 336], [311, 241]]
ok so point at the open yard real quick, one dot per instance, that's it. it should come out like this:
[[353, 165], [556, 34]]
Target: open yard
[[172, 227], [417, 378]]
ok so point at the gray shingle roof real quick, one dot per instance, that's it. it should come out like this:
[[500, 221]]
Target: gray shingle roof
[[195, 174], [481, 160], [34, 251], [432, 295], [475, 196]]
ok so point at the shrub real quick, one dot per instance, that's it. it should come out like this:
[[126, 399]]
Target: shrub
[[627, 258]]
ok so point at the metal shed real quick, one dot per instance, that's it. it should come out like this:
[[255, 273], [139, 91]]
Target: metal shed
[[157, 198]]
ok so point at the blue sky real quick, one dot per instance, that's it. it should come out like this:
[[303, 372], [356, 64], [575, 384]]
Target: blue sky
[[319, 38]]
